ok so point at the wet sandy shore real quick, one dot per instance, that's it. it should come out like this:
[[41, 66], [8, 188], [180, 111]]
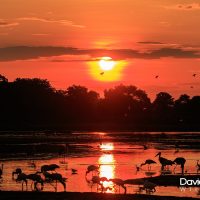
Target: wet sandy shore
[[5, 195]]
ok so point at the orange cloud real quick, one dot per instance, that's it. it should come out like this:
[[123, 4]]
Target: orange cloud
[[6, 24], [63, 22]]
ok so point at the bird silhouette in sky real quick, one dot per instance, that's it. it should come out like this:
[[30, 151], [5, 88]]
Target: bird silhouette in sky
[[102, 73], [194, 75], [191, 87], [156, 76]]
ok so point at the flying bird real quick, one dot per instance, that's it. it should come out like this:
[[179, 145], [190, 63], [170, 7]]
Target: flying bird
[[194, 75], [102, 73], [156, 76]]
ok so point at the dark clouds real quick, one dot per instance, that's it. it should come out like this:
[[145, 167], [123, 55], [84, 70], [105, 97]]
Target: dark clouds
[[26, 53], [173, 52], [149, 42]]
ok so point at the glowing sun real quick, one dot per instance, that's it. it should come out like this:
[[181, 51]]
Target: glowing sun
[[106, 69], [106, 63]]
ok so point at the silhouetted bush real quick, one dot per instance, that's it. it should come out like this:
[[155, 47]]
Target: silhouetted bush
[[35, 104]]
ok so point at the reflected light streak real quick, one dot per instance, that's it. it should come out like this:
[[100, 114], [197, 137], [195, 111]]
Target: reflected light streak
[[107, 146], [107, 166]]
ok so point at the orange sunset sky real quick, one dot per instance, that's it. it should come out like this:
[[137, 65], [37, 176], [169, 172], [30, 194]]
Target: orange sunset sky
[[64, 40]]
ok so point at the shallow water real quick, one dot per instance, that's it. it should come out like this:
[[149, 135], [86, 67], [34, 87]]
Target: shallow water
[[118, 158]]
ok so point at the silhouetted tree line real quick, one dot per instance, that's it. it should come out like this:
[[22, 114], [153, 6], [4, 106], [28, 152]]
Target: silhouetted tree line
[[34, 103]]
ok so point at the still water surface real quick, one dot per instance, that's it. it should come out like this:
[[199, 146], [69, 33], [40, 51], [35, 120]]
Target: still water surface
[[117, 159]]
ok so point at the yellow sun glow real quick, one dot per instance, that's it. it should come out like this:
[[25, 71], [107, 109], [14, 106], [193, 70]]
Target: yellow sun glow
[[106, 63], [106, 69]]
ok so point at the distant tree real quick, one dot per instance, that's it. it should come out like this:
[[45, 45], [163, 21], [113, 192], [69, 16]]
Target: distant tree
[[35, 85], [182, 108], [3, 78], [163, 101], [183, 99], [82, 103], [163, 107], [32, 100], [195, 109], [195, 102], [125, 103], [35, 103]]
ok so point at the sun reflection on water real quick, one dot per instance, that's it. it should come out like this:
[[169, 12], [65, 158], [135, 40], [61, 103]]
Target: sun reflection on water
[[107, 147], [107, 166]]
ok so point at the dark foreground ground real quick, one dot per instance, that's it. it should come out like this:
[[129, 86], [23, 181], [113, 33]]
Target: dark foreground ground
[[4, 195]]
